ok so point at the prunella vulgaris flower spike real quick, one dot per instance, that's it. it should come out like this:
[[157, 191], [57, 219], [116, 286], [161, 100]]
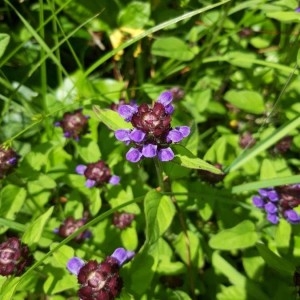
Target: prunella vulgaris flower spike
[[279, 202], [14, 257], [100, 280], [97, 174], [152, 134], [8, 160], [74, 124]]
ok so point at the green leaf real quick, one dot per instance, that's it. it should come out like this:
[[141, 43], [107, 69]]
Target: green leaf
[[283, 235], [88, 150], [284, 16], [187, 159], [248, 101], [11, 201], [159, 213], [172, 47], [111, 118], [241, 236], [4, 40], [281, 132], [274, 261], [241, 59], [135, 15], [34, 231]]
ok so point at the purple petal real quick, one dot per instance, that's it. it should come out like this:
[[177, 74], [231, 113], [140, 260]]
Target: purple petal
[[169, 109], [137, 135], [297, 9], [127, 111], [149, 150], [185, 130], [273, 196], [174, 136], [67, 134], [80, 169], [57, 124], [271, 208], [122, 255], [133, 155], [114, 180], [90, 183], [273, 218], [264, 192], [292, 216], [165, 98], [122, 135], [258, 201], [165, 154], [12, 161], [74, 265]]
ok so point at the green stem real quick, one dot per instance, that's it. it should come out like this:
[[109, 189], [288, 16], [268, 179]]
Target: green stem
[[159, 173]]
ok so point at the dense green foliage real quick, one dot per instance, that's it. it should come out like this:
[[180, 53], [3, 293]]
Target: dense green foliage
[[235, 66]]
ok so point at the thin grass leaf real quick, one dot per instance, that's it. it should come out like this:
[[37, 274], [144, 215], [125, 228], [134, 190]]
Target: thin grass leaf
[[281, 132]]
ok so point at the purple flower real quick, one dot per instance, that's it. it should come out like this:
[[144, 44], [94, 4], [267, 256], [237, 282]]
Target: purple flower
[[149, 150], [258, 201], [279, 201], [74, 265], [74, 124], [123, 220], [122, 255], [273, 218], [70, 225], [133, 155], [8, 160], [292, 216], [165, 154], [100, 280], [97, 174], [152, 134], [14, 257], [297, 9], [127, 111]]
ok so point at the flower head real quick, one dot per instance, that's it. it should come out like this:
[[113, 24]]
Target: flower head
[[73, 124], [123, 220], [14, 257], [279, 201], [70, 225], [152, 133], [8, 160], [97, 174], [100, 280]]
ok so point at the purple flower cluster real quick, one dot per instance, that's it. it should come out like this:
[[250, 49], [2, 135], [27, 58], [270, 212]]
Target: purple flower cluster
[[14, 257], [70, 225], [97, 174], [123, 220], [100, 281], [279, 201], [152, 133], [8, 160], [73, 124]]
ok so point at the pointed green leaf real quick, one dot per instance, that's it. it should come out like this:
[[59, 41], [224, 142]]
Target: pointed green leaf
[[111, 118], [4, 40], [274, 261], [159, 213], [187, 159], [248, 101], [241, 236], [34, 231]]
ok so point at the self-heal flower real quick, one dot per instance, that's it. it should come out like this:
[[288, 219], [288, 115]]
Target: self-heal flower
[[123, 220], [97, 174], [70, 225], [279, 201], [74, 124], [14, 257], [152, 133], [100, 280], [8, 160]]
